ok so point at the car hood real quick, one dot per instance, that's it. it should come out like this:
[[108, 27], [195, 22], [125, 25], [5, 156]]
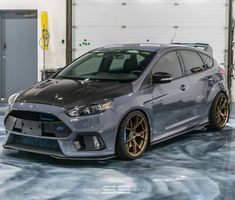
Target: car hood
[[69, 93]]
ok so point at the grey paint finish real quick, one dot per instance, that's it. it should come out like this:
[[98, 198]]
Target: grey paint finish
[[172, 102], [169, 110], [198, 165], [19, 51], [1, 68]]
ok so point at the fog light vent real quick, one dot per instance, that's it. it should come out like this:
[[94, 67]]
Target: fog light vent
[[88, 143], [96, 142], [77, 145]]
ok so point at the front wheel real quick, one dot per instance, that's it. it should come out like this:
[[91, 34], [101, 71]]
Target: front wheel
[[219, 113], [133, 136]]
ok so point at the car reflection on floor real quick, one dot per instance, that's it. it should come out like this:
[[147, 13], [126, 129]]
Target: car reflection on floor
[[198, 165]]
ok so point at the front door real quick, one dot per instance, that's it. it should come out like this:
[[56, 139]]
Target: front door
[[18, 51]]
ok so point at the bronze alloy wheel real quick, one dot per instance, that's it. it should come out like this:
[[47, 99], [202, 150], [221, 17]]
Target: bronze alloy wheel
[[219, 112], [136, 135], [222, 111]]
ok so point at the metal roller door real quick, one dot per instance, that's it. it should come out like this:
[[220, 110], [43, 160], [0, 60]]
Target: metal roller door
[[102, 22]]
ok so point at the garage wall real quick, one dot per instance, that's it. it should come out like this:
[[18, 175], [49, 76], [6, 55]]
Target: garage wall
[[57, 26], [104, 22]]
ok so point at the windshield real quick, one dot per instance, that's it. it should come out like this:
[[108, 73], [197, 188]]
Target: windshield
[[119, 65]]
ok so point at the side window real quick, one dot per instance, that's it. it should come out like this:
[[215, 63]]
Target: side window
[[118, 62], [208, 60], [169, 63], [140, 58], [192, 62]]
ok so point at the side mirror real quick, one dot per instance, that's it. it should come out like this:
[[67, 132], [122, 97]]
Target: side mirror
[[161, 77]]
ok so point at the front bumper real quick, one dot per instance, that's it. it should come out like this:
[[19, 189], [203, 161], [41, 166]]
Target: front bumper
[[101, 129]]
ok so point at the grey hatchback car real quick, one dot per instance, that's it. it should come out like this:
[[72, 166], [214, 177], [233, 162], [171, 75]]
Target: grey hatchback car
[[118, 100]]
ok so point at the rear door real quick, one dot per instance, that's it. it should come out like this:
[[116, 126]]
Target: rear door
[[171, 101], [200, 81]]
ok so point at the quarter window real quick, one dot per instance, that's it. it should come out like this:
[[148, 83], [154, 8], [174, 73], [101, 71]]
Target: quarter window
[[192, 62], [169, 63], [208, 61]]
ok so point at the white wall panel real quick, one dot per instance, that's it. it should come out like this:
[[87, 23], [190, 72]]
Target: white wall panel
[[103, 22], [55, 57]]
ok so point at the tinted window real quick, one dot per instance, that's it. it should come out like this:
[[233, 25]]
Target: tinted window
[[169, 63], [114, 65], [90, 66], [192, 62], [118, 62], [208, 61]]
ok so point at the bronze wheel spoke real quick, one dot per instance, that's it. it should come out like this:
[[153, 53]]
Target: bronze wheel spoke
[[134, 148], [221, 101], [224, 103], [137, 145], [129, 125], [141, 135], [128, 141], [223, 116], [136, 119], [128, 145], [138, 124]]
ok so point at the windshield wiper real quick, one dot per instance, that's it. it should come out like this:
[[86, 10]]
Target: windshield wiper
[[70, 77]]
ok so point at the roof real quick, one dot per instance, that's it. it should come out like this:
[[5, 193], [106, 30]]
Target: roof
[[138, 46], [153, 47]]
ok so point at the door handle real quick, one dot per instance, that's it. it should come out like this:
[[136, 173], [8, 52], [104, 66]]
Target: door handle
[[183, 87]]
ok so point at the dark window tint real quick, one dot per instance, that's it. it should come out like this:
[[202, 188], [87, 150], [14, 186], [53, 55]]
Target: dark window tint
[[169, 63], [208, 61], [192, 62], [114, 65], [90, 66], [118, 63]]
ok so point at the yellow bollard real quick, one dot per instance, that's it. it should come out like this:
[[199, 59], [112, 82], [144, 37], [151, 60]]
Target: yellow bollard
[[45, 31]]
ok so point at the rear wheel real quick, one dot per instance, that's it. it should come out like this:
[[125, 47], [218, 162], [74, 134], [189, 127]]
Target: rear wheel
[[219, 113], [133, 135]]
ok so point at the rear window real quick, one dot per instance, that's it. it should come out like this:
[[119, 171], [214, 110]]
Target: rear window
[[209, 62], [192, 61]]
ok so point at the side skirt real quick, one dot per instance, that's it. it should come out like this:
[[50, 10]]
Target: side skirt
[[162, 139]]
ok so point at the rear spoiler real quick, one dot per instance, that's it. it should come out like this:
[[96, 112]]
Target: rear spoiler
[[203, 46]]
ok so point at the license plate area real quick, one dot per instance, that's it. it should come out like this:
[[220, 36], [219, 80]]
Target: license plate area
[[31, 127]]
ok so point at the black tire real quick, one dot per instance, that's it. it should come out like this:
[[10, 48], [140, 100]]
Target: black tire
[[123, 147], [219, 113]]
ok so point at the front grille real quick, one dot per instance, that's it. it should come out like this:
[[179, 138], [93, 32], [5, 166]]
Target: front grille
[[37, 124], [36, 144], [34, 116]]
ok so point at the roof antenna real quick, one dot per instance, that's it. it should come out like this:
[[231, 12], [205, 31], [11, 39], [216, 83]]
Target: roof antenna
[[173, 38]]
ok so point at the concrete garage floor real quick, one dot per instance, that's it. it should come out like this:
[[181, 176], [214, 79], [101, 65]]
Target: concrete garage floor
[[199, 166]]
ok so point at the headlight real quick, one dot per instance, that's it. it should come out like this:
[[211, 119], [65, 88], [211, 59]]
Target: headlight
[[12, 98], [89, 109]]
